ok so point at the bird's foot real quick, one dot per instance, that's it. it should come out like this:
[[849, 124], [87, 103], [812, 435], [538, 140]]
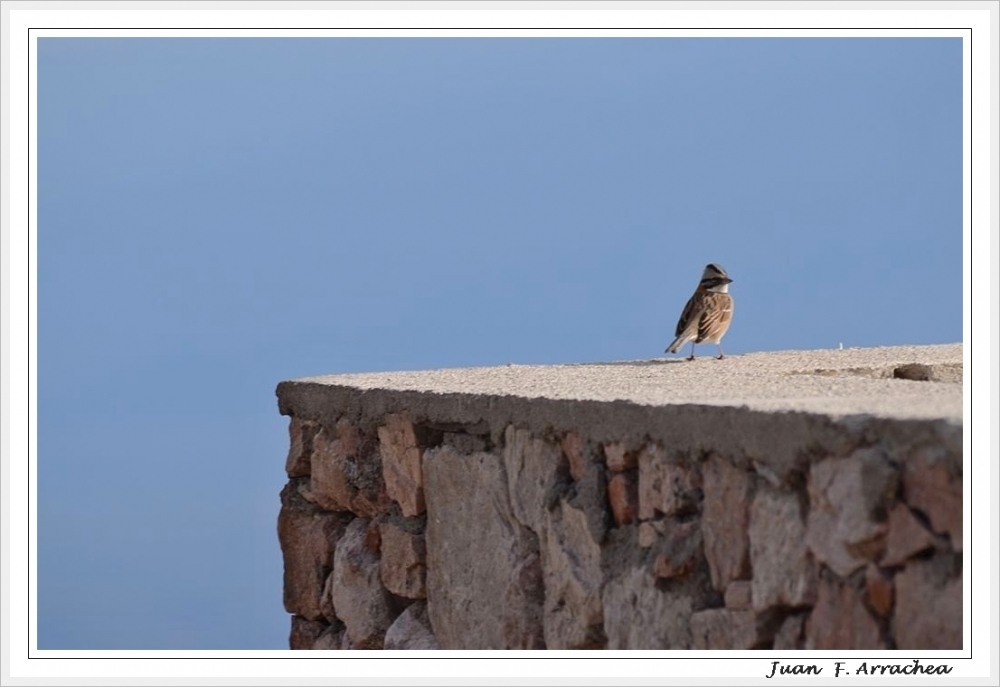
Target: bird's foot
[[721, 357], [691, 359]]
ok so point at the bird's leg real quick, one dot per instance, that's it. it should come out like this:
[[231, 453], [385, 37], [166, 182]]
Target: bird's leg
[[721, 354], [692, 351]]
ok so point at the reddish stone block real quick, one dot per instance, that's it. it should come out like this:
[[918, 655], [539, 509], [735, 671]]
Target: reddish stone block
[[623, 497], [906, 537], [402, 463], [572, 448], [403, 566], [879, 591], [300, 434], [839, 620], [307, 537], [346, 472]]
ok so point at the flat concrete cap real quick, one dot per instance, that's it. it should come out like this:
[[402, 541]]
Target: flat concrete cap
[[902, 382]]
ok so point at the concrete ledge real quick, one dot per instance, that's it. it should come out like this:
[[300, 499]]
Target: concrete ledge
[[859, 381], [802, 499]]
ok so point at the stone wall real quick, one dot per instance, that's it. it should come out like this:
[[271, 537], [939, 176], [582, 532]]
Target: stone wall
[[415, 520]]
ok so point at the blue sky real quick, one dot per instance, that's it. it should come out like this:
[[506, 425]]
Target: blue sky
[[216, 215]]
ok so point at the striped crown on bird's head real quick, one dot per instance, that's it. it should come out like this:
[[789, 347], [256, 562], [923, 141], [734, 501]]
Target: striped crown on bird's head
[[714, 277]]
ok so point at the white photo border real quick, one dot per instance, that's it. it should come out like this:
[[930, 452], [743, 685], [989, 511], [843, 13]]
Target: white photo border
[[25, 22]]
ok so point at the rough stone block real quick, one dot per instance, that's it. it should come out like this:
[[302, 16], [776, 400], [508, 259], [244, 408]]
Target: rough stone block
[[359, 600], [304, 633], [332, 639], [722, 628], [879, 592], [906, 537], [933, 485], [928, 613], [572, 448], [307, 537], [402, 459], [346, 472], [848, 500], [326, 599], [532, 467], [640, 615], [590, 495], [524, 627], [412, 630], [679, 550], [726, 520], [300, 434], [739, 595], [464, 442], [475, 543], [618, 458], [649, 532], [403, 565], [571, 564], [790, 633], [839, 620], [784, 574], [623, 496], [665, 487]]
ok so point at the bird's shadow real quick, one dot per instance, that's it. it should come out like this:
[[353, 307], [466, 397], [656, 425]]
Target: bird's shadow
[[637, 363]]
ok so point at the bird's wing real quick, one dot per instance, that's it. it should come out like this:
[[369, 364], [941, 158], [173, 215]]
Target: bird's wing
[[715, 316], [690, 315]]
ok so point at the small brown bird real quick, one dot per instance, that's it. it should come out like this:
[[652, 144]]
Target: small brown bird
[[707, 315]]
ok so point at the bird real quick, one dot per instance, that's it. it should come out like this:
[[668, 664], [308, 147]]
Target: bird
[[708, 313]]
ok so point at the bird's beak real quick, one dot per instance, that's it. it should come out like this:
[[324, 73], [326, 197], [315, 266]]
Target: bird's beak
[[728, 280]]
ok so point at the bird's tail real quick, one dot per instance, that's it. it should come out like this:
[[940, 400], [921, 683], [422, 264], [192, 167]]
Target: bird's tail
[[676, 345]]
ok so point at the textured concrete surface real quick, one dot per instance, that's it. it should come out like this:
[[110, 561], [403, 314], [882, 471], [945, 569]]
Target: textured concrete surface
[[853, 381]]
